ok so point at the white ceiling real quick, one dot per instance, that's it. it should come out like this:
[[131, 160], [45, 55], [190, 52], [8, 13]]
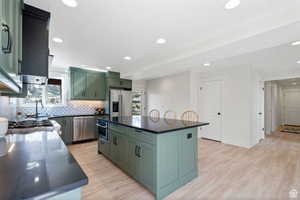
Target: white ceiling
[[100, 33]]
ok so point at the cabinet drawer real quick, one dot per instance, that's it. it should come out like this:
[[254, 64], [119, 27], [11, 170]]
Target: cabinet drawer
[[143, 136], [118, 128]]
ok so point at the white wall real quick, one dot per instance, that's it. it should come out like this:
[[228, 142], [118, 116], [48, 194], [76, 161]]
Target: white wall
[[169, 93]]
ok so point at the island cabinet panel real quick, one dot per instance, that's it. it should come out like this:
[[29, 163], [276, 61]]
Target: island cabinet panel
[[160, 162]]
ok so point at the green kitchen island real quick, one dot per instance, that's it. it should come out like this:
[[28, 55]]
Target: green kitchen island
[[161, 154]]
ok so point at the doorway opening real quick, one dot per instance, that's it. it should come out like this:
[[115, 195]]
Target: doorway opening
[[138, 103], [282, 106]]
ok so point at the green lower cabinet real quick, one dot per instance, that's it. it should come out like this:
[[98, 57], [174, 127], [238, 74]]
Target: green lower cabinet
[[104, 147], [66, 124], [118, 149], [132, 158], [146, 165]]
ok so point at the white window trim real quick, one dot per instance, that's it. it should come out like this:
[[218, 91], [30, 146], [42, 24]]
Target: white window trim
[[64, 90]]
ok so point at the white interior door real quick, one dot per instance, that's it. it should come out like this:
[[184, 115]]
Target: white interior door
[[211, 110], [292, 107]]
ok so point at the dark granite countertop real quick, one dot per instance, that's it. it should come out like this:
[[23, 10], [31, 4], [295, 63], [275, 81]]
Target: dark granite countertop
[[37, 165], [155, 125]]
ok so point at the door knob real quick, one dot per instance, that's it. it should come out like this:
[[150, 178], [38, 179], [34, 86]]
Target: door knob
[[219, 113]]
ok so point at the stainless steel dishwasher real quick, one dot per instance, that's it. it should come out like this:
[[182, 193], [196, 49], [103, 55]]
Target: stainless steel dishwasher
[[84, 128]]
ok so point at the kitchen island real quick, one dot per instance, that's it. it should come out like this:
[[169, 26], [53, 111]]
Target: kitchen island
[[38, 165], [161, 154]]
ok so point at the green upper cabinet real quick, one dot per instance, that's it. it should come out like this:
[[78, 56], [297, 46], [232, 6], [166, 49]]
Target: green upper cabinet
[[78, 84], [126, 83], [114, 81], [10, 44], [96, 85], [87, 85]]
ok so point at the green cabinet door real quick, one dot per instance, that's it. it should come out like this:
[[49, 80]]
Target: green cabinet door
[[5, 35], [66, 124], [133, 159], [118, 150], [104, 148], [126, 83], [101, 87], [78, 84], [96, 86], [92, 85], [68, 134], [146, 165], [188, 154]]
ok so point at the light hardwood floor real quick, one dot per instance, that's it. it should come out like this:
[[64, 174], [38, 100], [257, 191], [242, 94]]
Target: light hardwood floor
[[267, 171]]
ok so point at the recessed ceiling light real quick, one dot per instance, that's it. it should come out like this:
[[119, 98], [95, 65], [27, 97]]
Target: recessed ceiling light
[[127, 58], [161, 41], [206, 64], [298, 62], [232, 4], [296, 43], [57, 40], [108, 68], [70, 3], [294, 83]]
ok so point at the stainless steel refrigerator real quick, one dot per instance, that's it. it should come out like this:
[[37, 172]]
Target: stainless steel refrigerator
[[120, 103]]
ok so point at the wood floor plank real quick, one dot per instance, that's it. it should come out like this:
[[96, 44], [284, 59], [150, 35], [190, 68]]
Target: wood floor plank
[[267, 171]]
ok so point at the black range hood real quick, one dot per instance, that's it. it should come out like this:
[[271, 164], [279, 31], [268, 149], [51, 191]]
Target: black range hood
[[35, 62]]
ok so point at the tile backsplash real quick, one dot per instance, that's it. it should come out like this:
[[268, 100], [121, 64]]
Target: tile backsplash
[[72, 108]]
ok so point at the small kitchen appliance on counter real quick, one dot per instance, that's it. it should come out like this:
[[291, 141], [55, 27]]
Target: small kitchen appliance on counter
[[3, 126]]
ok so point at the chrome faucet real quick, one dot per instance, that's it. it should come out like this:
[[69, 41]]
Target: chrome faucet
[[36, 107]]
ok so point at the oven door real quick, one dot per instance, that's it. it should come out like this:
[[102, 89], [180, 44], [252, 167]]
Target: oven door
[[102, 130]]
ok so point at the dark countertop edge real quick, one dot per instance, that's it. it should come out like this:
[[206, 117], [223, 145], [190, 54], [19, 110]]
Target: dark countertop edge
[[62, 190], [59, 116], [157, 132]]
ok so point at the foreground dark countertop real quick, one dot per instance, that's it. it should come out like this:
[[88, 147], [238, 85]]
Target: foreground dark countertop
[[155, 125], [37, 165]]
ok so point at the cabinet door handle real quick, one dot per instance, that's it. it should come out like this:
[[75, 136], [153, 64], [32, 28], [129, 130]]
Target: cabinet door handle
[[115, 140], [140, 152], [7, 49], [135, 150]]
